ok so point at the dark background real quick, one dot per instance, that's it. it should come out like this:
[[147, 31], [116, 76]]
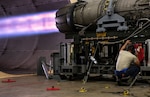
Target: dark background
[[22, 53]]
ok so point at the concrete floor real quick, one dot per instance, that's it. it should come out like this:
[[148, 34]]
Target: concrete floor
[[36, 86]]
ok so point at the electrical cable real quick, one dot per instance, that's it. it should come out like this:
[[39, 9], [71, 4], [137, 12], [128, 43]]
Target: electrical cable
[[147, 24]]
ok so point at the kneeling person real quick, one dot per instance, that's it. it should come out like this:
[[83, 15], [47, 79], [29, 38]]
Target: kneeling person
[[128, 65]]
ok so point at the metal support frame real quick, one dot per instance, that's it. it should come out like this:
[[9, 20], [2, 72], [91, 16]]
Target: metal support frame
[[111, 20], [90, 63]]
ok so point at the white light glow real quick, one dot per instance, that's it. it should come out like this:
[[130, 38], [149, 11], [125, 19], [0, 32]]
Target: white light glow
[[40, 23]]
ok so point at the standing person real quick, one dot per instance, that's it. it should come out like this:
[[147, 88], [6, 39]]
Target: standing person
[[128, 64]]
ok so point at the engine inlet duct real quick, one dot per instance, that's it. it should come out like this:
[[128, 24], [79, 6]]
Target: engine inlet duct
[[74, 17]]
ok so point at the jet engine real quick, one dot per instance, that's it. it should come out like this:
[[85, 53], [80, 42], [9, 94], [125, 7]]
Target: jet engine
[[101, 15], [98, 28]]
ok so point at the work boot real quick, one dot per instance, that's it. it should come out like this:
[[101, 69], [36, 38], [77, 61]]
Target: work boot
[[130, 80], [124, 79]]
